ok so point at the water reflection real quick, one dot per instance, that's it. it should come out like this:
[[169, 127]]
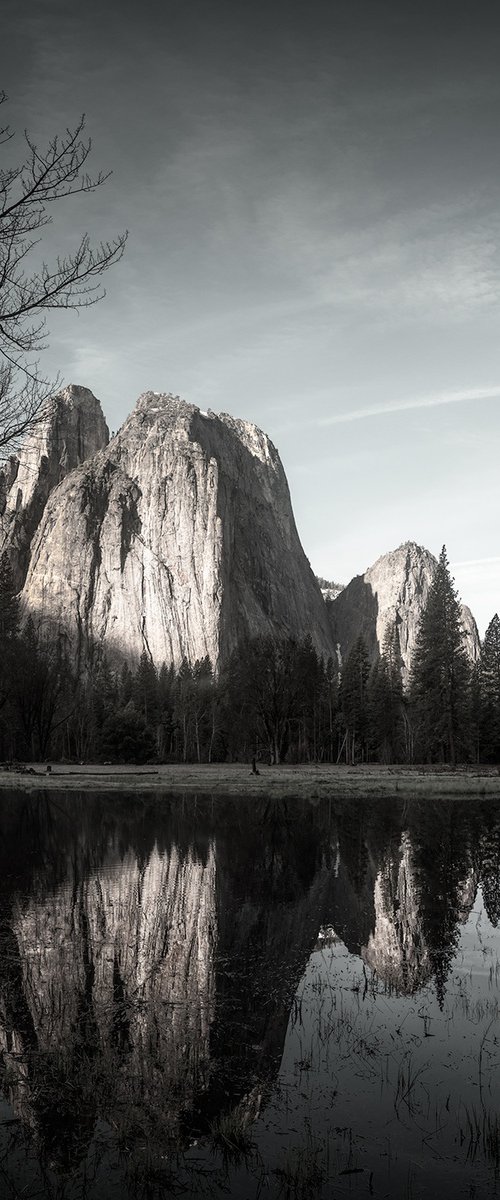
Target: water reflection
[[162, 981]]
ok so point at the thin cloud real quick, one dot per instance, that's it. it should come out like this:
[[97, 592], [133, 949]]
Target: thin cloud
[[435, 400], [477, 562]]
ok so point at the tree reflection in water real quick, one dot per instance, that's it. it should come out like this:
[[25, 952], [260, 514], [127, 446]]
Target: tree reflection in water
[[201, 994]]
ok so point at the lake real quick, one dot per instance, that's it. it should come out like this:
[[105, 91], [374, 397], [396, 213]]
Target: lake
[[216, 996]]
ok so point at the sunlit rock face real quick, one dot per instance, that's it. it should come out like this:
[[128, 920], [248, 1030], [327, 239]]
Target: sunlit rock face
[[178, 539], [396, 950], [72, 432], [391, 593]]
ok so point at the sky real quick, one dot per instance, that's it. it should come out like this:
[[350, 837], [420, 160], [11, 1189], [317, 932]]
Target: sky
[[311, 194]]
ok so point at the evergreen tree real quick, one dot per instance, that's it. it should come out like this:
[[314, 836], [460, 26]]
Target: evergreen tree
[[104, 702], [9, 603], [330, 700], [145, 692], [441, 673], [310, 679], [262, 688], [475, 713], [126, 737], [25, 696], [203, 687], [166, 704], [489, 687], [43, 693], [126, 686], [9, 653], [183, 708], [354, 701], [386, 736]]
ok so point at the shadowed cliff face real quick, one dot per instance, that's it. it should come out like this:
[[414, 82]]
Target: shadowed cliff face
[[178, 539], [391, 594], [72, 432]]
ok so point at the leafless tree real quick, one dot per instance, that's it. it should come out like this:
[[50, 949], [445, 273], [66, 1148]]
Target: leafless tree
[[28, 291]]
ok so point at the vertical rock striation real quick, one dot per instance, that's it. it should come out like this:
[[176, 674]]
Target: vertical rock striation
[[177, 539], [73, 431], [391, 593]]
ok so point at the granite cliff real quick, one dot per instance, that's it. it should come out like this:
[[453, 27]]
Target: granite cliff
[[176, 538], [73, 431], [393, 592]]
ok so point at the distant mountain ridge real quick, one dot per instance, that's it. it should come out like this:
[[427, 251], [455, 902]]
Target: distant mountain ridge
[[391, 594], [177, 537], [73, 431]]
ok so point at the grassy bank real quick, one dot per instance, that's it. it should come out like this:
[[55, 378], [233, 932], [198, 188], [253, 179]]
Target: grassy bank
[[237, 779]]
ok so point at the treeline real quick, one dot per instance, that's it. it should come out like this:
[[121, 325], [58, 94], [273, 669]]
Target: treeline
[[275, 700]]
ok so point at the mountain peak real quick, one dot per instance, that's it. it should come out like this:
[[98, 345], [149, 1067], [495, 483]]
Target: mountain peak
[[391, 593], [72, 430], [178, 539]]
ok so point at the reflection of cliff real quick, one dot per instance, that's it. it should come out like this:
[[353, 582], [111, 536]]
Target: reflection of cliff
[[395, 949], [118, 964], [405, 882], [150, 951], [150, 980], [269, 916]]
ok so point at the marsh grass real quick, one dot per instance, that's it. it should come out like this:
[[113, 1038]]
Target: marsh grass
[[304, 1170], [482, 1133], [236, 779], [231, 1136]]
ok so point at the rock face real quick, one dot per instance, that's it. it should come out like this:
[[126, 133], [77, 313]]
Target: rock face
[[392, 592], [73, 431], [178, 538]]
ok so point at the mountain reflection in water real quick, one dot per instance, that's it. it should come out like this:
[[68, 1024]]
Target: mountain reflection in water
[[220, 996]]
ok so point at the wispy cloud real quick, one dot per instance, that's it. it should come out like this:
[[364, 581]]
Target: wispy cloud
[[476, 562], [435, 400]]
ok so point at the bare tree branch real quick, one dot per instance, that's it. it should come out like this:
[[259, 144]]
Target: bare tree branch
[[73, 281]]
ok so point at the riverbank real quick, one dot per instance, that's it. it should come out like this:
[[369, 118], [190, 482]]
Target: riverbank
[[308, 781]]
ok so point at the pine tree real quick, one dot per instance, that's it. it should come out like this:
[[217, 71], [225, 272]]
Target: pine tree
[[145, 692], [354, 701], [183, 707], [9, 654], [489, 690], [311, 682], [9, 628], [386, 736], [9, 603], [166, 703], [441, 673]]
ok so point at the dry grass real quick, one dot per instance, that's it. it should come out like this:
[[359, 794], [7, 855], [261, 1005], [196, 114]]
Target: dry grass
[[307, 781]]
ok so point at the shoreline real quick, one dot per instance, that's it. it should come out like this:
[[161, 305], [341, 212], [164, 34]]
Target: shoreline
[[303, 781]]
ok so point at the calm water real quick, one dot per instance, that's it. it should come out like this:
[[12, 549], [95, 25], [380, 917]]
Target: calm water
[[248, 999]]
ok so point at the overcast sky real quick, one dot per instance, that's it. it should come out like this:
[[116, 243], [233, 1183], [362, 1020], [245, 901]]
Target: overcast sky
[[312, 198]]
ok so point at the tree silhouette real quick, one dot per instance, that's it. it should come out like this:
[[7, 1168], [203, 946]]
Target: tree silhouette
[[489, 690], [354, 701], [441, 673], [28, 191]]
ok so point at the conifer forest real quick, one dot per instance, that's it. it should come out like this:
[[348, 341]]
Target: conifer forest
[[272, 701]]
